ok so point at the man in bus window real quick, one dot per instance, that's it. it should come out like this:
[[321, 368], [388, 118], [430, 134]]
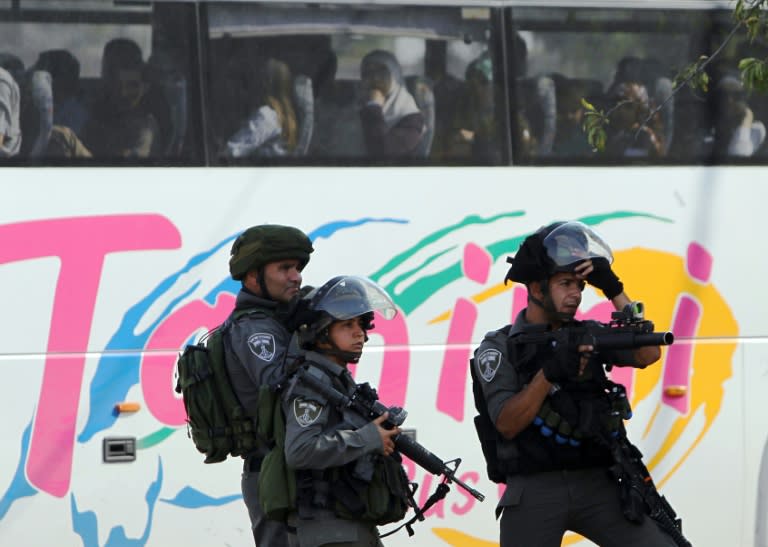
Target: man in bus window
[[556, 417], [129, 117], [268, 261]]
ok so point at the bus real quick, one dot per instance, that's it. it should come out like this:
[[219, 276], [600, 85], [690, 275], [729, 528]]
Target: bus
[[129, 167]]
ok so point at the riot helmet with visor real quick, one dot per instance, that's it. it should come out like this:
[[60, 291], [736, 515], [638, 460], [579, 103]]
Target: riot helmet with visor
[[341, 298], [558, 247]]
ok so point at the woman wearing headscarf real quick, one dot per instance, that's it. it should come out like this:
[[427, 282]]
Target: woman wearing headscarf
[[392, 123], [10, 131], [271, 128]]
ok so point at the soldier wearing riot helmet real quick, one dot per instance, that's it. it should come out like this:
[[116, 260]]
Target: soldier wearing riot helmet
[[335, 461], [525, 387], [268, 260]]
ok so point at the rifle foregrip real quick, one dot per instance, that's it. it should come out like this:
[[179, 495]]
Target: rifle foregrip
[[420, 455]]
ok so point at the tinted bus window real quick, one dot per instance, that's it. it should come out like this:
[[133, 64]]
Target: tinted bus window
[[624, 63], [100, 84], [288, 85]]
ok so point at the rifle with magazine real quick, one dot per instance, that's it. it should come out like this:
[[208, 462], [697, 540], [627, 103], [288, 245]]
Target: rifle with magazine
[[628, 329], [639, 496], [365, 404]]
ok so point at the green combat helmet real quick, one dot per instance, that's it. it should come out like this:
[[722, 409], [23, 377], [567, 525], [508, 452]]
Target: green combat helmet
[[260, 245]]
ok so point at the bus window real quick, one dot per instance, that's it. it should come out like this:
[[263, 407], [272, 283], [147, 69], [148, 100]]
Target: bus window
[[297, 84], [640, 52], [100, 83]]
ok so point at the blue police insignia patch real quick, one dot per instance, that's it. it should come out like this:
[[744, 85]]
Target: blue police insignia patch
[[306, 411], [488, 363], [262, 345]]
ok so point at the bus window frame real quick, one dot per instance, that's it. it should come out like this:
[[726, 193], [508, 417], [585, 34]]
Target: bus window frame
[[495, 26], [716, 16]]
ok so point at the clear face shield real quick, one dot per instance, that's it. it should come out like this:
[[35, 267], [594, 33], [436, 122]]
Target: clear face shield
[[574, 242], [352, 296]]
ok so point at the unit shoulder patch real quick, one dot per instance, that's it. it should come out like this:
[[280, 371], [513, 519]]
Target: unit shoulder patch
[[262, 345], [306, 411], [488, 363]]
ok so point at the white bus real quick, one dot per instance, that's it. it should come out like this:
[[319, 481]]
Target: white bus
[[124, 186]]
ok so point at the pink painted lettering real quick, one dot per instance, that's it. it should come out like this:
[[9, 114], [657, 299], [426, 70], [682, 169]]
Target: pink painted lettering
[[81, 243], [476, 265], [686, 318], [453, 375], [395, 367]]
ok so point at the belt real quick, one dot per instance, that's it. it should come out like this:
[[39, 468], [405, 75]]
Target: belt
[[252, 464]]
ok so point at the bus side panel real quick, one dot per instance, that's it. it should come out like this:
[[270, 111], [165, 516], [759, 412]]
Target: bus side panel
[[105, 279]]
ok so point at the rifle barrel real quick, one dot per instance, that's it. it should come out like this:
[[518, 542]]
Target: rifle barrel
[[426, 459], [631, 340]]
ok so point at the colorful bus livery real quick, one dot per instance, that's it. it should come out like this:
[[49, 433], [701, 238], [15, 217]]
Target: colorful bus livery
[[444, 272], [110, 264]]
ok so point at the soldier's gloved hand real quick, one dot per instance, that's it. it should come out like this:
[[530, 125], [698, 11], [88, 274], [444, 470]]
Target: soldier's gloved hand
[[605, 279], [557, 369]]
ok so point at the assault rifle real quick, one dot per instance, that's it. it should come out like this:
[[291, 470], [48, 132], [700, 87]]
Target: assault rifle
[[638, 492], [365, 404], [628, 329]]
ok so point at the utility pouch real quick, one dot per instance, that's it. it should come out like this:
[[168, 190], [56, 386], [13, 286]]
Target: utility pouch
[[277, 483], [630, 498]]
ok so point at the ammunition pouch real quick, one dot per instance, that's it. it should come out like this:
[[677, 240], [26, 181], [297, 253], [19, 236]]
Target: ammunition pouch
[[381, 500]]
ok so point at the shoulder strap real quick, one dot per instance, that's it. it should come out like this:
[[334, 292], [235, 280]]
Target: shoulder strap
[[237, 314]]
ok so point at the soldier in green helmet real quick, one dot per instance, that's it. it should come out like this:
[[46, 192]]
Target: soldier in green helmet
[[268, 260]]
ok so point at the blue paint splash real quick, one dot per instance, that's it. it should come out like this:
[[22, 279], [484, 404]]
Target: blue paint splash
[[19, 487], [191, 498], [85, 524]]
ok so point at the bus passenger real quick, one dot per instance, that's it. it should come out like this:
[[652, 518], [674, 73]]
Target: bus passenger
[[349, 478], [557, 478], [393, 125], [476, 119], [35, 106], [570, 139], [737, 132], [69, 108], [10, 131], [337, 130], [268, 260], [122, 123], [631, 134], [271, 129]]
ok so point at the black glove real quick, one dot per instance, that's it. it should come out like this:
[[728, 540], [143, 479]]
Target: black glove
[[559, 363], [603, 278]]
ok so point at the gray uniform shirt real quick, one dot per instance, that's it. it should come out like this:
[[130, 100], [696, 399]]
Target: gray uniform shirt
[[257, 348], [319, 436]]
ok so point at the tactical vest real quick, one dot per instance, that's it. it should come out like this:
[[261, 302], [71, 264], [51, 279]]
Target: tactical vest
[[381, 498], [563, 435]]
